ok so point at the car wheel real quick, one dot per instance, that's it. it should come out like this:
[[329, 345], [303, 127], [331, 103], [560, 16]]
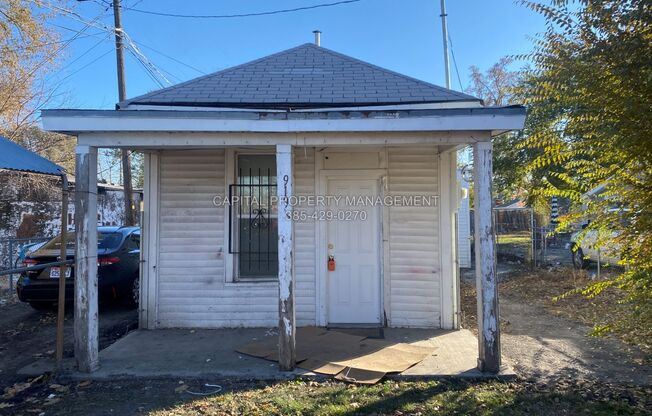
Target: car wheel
[[42, 306], [133, 295], [578, 258]]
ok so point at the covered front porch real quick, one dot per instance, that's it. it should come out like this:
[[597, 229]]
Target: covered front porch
[[154, 257], [433, 137]]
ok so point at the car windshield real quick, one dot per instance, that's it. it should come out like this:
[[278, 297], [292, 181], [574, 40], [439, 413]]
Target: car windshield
[[105, 241]]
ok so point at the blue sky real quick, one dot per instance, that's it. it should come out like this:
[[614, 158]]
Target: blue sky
[[402, 35]]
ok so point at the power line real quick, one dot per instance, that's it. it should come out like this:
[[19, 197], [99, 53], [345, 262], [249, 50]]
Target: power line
[[58, 42], [67, 43], [87, 51], [76, 16], [145, 61], [457, 71], [228, 16], [170, 57], [155, 72], [152, 70], [136, 3], [170, 74], [87, 65], [72, 30], [100, 3], [152, 75], [61, 80]]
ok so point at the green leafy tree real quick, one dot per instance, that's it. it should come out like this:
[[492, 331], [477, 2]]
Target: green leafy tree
[[589, 96]]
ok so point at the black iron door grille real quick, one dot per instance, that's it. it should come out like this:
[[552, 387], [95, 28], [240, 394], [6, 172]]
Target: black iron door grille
[[253, 230]]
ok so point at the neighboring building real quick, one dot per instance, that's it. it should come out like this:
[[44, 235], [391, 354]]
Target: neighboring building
[[513, 204], [27, 211], [305, 122], [464, 225]]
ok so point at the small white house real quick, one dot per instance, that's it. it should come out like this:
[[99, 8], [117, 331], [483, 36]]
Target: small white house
[[303, 127]]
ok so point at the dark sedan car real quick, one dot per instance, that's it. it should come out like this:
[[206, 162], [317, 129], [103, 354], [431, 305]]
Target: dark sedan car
[[118, 261]]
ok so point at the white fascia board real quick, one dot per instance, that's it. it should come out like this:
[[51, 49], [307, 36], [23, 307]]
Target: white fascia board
[[160, 123]]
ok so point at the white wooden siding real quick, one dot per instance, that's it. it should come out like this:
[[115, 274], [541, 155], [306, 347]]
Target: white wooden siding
[[414, 239], [192, 288], [304, 239]]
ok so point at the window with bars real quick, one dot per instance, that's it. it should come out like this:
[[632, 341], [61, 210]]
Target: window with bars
[[253, 224]]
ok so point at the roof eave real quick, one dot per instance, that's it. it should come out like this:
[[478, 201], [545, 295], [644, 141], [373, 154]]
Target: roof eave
[[495, 119]]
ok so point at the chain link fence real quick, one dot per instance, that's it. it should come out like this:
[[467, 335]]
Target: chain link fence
[[526, 237], [522, 236]]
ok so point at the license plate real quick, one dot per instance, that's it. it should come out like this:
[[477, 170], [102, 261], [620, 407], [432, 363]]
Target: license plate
[[55, 272]]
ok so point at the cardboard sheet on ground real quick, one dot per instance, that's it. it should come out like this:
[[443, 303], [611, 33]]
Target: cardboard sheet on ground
[[348, 357], [356, 375]]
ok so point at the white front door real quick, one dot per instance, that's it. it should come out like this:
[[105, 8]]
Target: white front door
[[353, 234]]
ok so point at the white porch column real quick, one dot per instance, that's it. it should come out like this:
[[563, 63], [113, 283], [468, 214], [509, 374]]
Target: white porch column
[[286, 315], [485, 260], [86, 319]]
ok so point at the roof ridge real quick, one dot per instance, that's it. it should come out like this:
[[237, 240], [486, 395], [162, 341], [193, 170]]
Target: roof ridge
[[212, 74], [389, 71]]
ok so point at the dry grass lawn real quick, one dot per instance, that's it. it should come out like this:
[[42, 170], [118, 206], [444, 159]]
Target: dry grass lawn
[[404, 398]]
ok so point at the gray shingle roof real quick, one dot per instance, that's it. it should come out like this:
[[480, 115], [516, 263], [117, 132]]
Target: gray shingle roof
[[306, 76]]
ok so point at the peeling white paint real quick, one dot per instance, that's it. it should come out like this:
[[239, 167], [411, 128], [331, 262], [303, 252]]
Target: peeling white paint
[[284, 291], [489, 341], [288, 327], [86, 325], [286, 284]]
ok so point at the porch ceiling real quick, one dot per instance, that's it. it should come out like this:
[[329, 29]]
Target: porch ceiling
[[194, 140]]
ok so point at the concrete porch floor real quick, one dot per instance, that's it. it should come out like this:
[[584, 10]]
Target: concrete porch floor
[[205, 353]]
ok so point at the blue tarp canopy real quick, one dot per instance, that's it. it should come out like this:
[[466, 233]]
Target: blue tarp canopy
[[16, 157]]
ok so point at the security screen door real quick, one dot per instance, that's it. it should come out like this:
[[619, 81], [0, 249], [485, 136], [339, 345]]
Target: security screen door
[[253, 227]]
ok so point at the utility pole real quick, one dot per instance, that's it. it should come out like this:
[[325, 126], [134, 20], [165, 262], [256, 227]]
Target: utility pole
[[444, 29], [122, 95]]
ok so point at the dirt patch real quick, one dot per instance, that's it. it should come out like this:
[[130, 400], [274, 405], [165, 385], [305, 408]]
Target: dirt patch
[[606, 313], [27, 335], [548, 339]]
